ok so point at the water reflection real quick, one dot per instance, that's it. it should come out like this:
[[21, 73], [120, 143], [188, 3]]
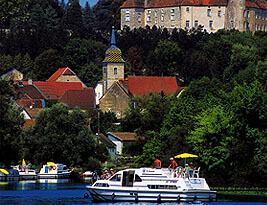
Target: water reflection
[[54, 181]]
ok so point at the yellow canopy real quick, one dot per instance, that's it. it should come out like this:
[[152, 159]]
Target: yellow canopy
[[23, 163], [186, 155], [52, 164], [4, 171]]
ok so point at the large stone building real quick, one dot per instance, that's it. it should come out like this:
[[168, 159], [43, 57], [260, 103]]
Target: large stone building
[[243, 15]]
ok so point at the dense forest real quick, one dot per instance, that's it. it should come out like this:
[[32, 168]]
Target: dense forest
[[221, 116]]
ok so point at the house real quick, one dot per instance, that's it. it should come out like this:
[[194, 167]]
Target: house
[[83, 99], [12, 74], [65, 75], [118, 90], [121, 138], [112, 152], [243, 15]]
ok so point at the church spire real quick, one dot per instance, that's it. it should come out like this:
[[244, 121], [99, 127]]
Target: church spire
[[113, 37]]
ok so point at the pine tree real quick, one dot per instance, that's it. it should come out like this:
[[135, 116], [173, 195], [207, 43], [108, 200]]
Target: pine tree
[[73, 19], [88, 19]]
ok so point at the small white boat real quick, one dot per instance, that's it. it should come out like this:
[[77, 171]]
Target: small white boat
[[25, 173], [54, 171], [151, 185]]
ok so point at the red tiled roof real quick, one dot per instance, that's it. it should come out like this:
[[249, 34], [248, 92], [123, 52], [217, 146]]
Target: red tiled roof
[[133, 4], [83, 99], [142, 85], [55, 90], [28, 123], [30, 90], [173, 3], [126, 136], [59, 72], [260, 4]]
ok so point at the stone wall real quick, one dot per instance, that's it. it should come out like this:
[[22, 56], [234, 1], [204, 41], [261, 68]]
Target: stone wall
[[115, 100]]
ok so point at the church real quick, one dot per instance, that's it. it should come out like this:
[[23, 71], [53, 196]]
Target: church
[[114, 92]]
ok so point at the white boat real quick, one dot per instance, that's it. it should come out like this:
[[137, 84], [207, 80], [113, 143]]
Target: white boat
[[25, 173], [151, 185], [54, 171]]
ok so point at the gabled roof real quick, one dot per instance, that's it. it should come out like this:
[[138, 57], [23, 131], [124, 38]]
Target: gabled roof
[[84, 99], [28, 123], [172, 3], [55, 90], [124, 136], [31, 91], [106, 141], [59, 72], [260, 4], [143, 85]]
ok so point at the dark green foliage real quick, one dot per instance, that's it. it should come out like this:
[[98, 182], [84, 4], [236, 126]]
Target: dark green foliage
[[46, 64], [10, 124], [58, 126]]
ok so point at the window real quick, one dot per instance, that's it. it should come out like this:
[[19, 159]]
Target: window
[[211, 24], [137, 178], [115, 71], [219, 13], [162, 17], [148, 18], [116, 178], [149, 11], [196, 24], [172, 17], [187, 9], [187, 24], [232, 25], [208, 12], [139, 18], [127, 18], [172, 10], [127, 11]]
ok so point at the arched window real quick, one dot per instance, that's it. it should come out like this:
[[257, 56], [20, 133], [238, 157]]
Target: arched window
[[115, 71]]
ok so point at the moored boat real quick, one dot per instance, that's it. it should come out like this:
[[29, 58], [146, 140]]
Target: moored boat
[[151, 185], [25, 173], [54, 171], [9, 175]]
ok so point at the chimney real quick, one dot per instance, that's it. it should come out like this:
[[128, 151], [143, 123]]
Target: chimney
[[30, 82]]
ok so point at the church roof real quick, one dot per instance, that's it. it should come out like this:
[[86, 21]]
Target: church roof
[[143, 85], [113, 54]]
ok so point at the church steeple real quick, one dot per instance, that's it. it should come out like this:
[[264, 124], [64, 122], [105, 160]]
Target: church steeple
[[113, 37], [113, 64]]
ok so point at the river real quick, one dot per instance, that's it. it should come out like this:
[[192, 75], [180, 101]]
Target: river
[[67, 193]]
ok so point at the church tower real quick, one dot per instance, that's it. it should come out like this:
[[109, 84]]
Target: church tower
[[113, 64]]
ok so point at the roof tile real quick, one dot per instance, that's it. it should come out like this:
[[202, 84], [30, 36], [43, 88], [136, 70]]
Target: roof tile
[[59, 72], [143, 85]]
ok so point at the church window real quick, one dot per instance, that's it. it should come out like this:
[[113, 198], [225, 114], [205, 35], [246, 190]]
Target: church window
[[162, 17], [219, 13], [211, 24], [187, 9], [115, 71], [148, 18], [127, 12], [172, 17]]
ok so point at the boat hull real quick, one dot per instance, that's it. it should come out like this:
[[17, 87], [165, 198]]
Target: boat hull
[[136, 195], [27, 176], [54, 176]]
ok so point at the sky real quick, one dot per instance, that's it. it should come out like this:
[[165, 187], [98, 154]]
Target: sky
[[91, 2]]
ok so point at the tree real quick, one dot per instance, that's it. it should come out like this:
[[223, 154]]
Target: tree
[[90, 74], [10, 126], [73, 19], [46, 64], [62, 136]]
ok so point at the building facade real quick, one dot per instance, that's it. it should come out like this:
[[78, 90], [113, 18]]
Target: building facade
[[213, 15]]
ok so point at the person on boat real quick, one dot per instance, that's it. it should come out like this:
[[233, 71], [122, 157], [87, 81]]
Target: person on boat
[[157, 163], [190, 169], [173, 165], [111, 171]]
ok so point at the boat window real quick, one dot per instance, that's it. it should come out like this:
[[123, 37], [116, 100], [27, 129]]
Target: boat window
[[127, 178], [137, 178], [101, 185], [116, 177], [161, 186]]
